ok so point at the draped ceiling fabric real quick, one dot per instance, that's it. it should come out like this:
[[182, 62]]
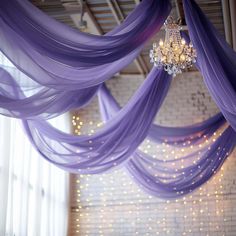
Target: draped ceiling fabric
[[216, 60], [68, 68]]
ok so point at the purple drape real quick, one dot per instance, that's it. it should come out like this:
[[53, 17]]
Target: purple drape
[[111, 145], [45, 103], [70, 64], [161, 179], [169, 178], [216, 60], [59, 57], [175, 136]]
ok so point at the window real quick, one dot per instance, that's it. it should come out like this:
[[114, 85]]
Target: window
[[34, 193]]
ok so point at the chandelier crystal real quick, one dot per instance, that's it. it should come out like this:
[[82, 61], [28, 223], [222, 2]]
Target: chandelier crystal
[[174, 54]]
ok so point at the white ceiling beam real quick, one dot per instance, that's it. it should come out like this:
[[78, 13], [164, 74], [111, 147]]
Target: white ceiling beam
[[180, 11], [119, 17], [232, 7], [93, 19], [62, 13], [227, 21]]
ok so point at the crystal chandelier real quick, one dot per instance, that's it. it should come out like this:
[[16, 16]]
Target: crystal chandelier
[[174, 54]]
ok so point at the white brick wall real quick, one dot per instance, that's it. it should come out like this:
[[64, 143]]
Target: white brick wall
[[111, 204]]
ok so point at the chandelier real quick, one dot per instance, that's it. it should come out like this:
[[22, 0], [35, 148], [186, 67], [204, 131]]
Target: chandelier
[[174, 54]]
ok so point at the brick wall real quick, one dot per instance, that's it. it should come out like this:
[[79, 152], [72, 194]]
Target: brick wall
[[111, 204]]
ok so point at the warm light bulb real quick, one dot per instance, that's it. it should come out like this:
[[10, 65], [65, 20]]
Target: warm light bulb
[[163, 58], [183, 41], [161, 43], [182, 57]]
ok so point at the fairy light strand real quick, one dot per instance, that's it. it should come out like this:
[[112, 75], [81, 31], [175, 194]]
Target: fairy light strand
[[114, 208]]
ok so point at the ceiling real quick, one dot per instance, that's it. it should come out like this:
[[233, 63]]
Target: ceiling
[[103, 15]]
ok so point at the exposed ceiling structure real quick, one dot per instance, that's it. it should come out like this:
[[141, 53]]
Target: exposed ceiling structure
[[101, 16]]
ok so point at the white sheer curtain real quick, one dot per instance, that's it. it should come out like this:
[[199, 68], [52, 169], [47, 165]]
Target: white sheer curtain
[[33, 193]]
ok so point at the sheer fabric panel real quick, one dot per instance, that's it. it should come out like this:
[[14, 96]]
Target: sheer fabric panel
[[34, 193]]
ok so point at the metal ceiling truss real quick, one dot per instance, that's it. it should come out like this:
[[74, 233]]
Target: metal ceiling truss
[[119, 17], [106, 14]]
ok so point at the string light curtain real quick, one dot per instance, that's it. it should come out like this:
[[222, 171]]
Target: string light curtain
[[114, 203], [59, 65]]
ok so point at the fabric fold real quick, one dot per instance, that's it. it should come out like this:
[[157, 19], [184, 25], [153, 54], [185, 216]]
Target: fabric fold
[[56, 56], [215, 59], [113, 144]]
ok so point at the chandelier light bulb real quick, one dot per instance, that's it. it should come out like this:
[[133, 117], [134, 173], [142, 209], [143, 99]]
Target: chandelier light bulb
[[182, 57], [174, 54], [161, 43]]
